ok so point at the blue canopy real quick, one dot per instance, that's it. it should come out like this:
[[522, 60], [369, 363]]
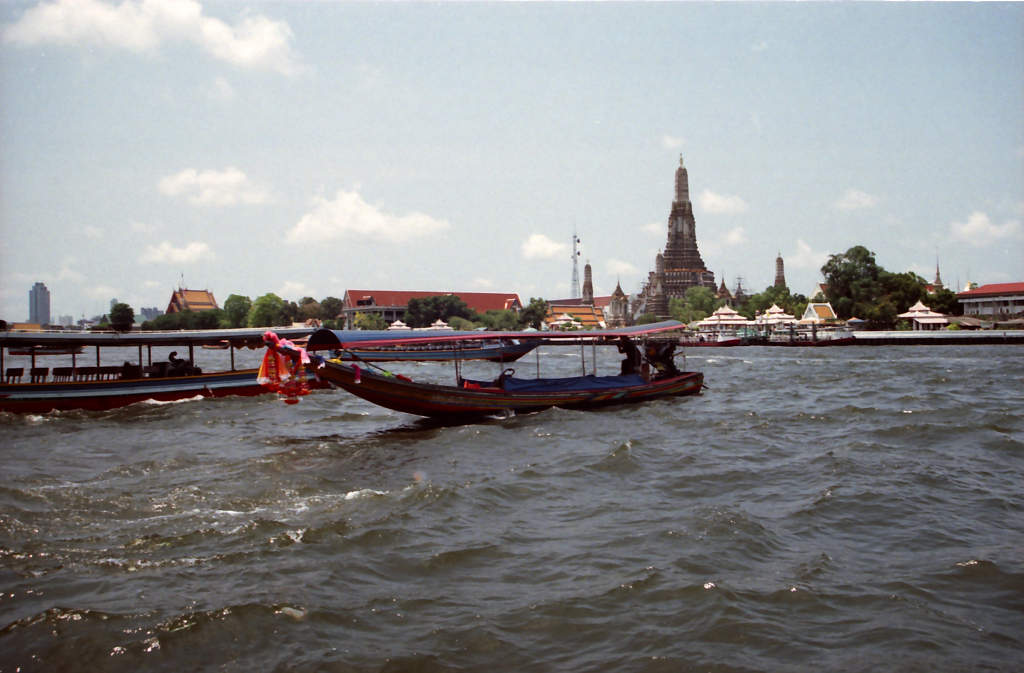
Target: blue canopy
[[328, 339], [574, 384]]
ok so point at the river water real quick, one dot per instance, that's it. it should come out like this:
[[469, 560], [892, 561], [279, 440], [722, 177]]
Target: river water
[[842, 509]]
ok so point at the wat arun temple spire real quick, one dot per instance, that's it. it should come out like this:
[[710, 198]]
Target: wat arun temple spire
[[680, 267]]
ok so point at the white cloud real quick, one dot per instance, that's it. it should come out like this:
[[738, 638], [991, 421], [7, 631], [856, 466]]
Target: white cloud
[[654, 228], [760, 46], [805, 257], [349, 216], [92, 231], [221, 90], [854, 199], [143, 228], [482, 284], [736, 237], [979, 232], [539, 246], [165, 253], [293, 291], [619, 267], [673, 142], [721, 204], [142, 26], [104, 292], [213, 188]]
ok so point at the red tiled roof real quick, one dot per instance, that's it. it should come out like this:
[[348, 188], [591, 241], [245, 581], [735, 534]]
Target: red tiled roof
[[993, 290], [599, 302], [481, 302], [589, 316], [193, 300]]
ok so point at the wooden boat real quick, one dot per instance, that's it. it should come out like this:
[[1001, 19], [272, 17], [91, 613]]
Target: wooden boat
[[98, 388], [507, 394]]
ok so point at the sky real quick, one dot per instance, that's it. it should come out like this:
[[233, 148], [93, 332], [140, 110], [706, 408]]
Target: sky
[[306, 148]]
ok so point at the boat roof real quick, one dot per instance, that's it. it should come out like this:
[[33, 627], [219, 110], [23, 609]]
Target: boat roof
[[326, 339], [237, 337]]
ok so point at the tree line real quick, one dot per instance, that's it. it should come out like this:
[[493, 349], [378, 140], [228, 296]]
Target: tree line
[[240, 311], [270, 310], [856, 286]]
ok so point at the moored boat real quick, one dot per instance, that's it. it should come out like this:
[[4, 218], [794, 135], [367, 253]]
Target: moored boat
[[98, 387]]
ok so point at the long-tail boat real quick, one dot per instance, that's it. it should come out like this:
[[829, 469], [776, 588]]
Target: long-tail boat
[[647, 373], [90, 385]]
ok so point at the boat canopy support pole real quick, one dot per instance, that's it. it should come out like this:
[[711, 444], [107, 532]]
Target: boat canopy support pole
[[232, 349], [32, 351], [140, 355], [537, 353], [97, 356], [593, 357], [583, 356]]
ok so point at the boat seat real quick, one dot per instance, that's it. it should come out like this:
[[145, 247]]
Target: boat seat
[[85, 374], [108, 373], [14, 374], [152, 371], [39, 374], [63, 373]]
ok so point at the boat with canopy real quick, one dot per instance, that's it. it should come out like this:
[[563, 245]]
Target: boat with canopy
[[86, 383], [647, 372]]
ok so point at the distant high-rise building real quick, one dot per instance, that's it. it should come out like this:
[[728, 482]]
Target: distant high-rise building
[[780, 272], [39, 305]]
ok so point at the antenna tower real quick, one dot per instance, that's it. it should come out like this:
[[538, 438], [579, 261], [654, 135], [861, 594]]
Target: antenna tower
[[575, 266]]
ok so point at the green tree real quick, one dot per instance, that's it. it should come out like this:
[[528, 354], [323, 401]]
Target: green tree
[[310, 310], [944, 301], [903, 290], [647, 319], [499, 321], [122, 316], [463, 325], [236, 310], [698, 303], [330, 308], [210, 319], [534, 313], [852, 279], [168, 322], [289, 313], [371, 321], [423, 312], [266, 311]]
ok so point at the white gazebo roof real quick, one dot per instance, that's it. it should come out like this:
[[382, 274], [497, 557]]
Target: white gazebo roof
[[725, 317], [923, 314], [398, 325], [775, 316], [440, 325]]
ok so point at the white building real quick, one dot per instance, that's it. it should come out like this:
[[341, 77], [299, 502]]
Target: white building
[[998, 299], [923, 318]]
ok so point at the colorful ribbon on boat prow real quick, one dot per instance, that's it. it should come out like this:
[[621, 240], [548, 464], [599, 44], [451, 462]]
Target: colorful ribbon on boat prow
[[275, 374]]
